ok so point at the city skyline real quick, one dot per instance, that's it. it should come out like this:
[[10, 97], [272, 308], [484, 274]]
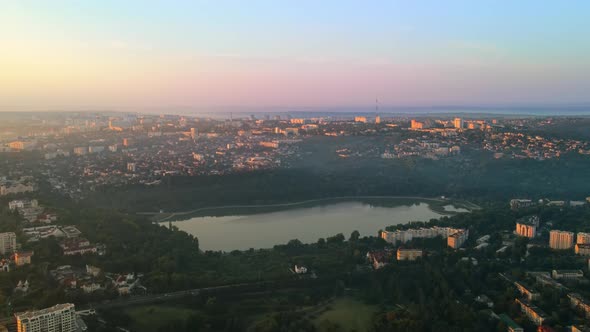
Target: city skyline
[[205, 55]]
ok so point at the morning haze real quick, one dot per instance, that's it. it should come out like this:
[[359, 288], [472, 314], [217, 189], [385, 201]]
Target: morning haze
[[296, 166]]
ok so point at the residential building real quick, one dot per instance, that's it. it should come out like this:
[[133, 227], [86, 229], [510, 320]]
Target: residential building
[[77, 246], [518, 203], [61, 317], [80, 151], [527, 293], [582, 249], [17, 188], [457, 239], [583, 238], [21, 204], [536, 315], [458, 123], [526, 230], [512, 326], [300, 269], [408, 254], [4, 265], [567, 274], [416, 124], [561, 239], [579, 303], [403, 236], [22, 258], [380, 258], [7, 243]]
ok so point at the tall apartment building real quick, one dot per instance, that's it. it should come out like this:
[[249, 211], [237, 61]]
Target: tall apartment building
[[7, 243], [458, 123], [416, 124], [457, 239], [583, 238], [582, 249], [561, 239], [60, 317], [526, 230]]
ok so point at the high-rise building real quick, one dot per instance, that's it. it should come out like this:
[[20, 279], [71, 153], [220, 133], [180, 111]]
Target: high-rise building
[[582, 249], [7, 243], [526, 229], [194, 133], [561, 239], [457, 239], [458, 123], [583, 238], [377, 119], [131, 167], [416, 124], [60, 317]]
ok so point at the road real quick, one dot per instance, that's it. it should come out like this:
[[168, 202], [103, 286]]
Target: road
[[146, 299]]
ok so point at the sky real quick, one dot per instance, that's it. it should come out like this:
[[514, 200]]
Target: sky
[[157, 55]]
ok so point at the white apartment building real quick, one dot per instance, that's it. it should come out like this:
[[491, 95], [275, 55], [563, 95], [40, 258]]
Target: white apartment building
[[59, 318], [7, 243]]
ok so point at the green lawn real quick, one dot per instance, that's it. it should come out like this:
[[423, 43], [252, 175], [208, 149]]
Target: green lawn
[[349, 314], [151, 318]]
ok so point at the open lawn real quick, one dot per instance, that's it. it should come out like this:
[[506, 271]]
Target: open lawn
[[348, 314], [152, 317]]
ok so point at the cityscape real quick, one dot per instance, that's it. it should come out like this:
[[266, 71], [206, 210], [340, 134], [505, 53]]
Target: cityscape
[[294, 166]]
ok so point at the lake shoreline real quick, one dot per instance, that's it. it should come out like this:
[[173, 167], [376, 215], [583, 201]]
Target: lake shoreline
[[435, 204]]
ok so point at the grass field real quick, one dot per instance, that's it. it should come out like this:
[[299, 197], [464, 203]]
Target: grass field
[[349, 314], [151, 318]]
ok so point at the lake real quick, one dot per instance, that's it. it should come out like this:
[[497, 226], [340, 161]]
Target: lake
[[307, 224]]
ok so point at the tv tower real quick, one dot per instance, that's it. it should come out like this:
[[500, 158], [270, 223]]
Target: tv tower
[[377, 117]]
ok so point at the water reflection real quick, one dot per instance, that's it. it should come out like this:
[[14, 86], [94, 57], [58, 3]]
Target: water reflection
[[264, 230]]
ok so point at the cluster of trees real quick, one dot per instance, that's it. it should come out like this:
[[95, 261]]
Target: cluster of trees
[[481, 178]]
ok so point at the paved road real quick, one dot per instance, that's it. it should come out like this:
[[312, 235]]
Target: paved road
[[146, 299]]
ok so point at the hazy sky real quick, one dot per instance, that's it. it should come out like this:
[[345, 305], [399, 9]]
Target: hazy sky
[[158, 54]]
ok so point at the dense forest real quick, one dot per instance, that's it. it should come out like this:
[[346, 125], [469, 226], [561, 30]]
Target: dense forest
[[480, 179]]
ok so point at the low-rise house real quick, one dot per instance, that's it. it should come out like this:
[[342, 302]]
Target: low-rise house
[[380, 258], [77, 246], [92, 270], [71, 231], [408, 254], [22, 258], [4, 265], [300, 269], [91, 287], [22, 287]]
